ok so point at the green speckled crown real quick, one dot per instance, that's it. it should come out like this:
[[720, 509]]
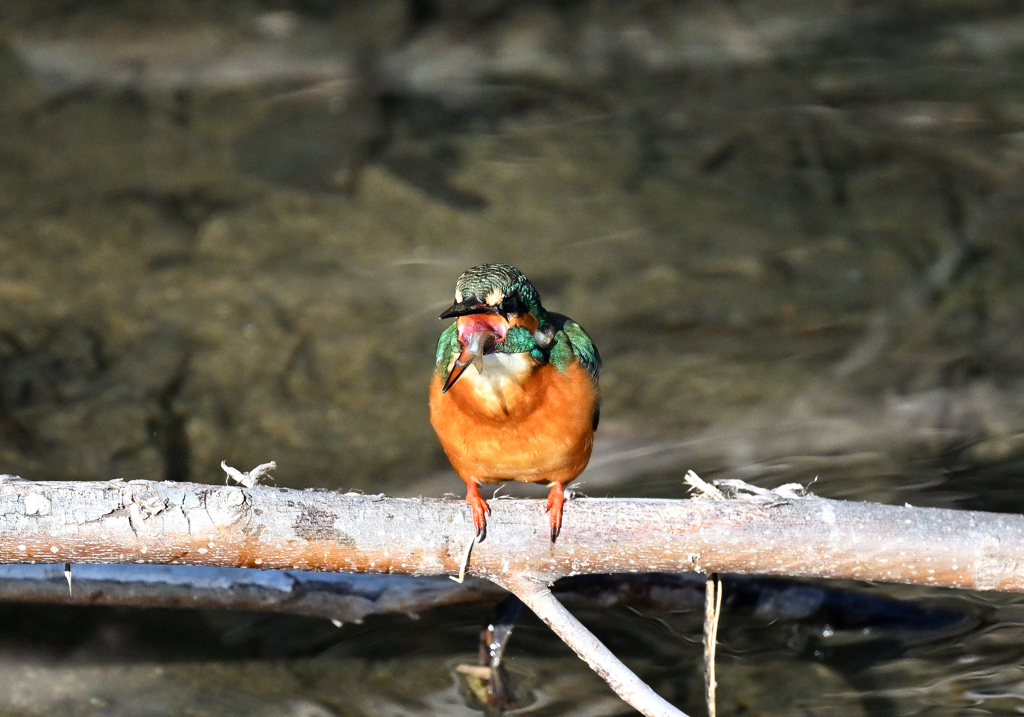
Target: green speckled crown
[[559, 340], [481, 280]]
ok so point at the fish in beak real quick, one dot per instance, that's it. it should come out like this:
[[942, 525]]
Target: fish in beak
[[480, 327]]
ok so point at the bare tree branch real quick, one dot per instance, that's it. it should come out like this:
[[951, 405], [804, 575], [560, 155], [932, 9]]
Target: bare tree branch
[[626, 684], [263, 527], [352, 597], [776, 533], [339, 597]]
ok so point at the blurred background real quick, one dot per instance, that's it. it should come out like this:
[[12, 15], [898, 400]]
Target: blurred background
[[794, 229]]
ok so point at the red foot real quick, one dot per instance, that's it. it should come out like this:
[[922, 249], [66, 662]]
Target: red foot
[[556, 498], [479, 507]]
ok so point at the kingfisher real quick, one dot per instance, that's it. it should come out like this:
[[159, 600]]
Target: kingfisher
[[515, 390]]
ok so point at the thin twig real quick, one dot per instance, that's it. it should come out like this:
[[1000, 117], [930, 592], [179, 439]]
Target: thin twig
[[620, 678], [712, 615], [465, 560]]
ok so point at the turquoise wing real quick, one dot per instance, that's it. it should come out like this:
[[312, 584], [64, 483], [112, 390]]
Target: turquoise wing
[[447, 345], [571, 342], [583, 347]]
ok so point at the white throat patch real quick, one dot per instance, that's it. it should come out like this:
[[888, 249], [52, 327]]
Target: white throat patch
[[501, 373]]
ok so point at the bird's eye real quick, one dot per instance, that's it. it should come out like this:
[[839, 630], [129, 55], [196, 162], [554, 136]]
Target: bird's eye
[[510, 305]]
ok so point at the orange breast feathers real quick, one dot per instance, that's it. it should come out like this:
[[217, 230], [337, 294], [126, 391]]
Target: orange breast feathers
[[535, 427]]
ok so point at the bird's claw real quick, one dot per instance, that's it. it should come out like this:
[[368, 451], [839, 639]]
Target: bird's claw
[[556, 499], [480, 511], [556, 524]]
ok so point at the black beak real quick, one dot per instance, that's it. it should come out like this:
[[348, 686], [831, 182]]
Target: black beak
[[467, 307]]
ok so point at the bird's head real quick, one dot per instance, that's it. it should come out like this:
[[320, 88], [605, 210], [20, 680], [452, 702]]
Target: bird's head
[[490, 299]]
